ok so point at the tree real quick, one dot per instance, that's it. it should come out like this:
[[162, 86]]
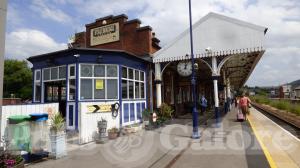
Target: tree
[[17, 79]]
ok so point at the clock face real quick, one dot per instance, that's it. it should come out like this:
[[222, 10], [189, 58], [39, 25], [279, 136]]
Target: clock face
[[184, 68]]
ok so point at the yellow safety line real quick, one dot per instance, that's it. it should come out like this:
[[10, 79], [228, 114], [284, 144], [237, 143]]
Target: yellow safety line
[[265, 150]]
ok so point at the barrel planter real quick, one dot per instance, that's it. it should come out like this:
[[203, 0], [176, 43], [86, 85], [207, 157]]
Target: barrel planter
[[102, 126]]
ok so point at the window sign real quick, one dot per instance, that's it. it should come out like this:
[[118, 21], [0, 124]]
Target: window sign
[[99, 84]]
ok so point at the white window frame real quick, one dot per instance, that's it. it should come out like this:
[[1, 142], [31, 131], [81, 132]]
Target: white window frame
[[50, 68], [68, 82], [93, 78], [134, 80], [136, 120], [34, 85]]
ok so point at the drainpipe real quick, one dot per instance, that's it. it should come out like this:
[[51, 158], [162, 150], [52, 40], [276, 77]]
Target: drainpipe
[[3, 11], [158, 84]]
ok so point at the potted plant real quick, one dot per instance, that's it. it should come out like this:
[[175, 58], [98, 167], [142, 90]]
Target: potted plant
[[10, 158], [135, 127], [127, 130], [146, 117], [113, 133], [57, 136], [165, 113]]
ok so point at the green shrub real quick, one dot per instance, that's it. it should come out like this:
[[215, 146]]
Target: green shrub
[[165, 111], [282, 105], [295, 109], [146, 114]]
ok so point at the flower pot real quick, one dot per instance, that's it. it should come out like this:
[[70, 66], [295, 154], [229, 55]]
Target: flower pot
[[20, 165], [113, 135], [58, 145], [127, 130]]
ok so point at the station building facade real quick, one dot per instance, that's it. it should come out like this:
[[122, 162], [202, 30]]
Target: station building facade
[[114, 60], [106, 65]]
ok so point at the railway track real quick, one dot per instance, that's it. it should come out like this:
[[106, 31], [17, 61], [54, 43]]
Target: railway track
[[285, 125]]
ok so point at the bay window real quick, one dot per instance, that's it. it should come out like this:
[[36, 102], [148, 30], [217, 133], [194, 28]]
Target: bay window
[[133, 83], [98, 81]]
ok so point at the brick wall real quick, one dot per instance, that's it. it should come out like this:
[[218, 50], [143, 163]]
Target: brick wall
[[134, 39]]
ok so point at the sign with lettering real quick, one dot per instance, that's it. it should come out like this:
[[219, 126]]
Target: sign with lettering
[[99, 108], [99, 84], [105, 34]]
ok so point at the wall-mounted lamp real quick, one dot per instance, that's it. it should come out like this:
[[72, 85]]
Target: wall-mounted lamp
[[99, 58], [196, 66]]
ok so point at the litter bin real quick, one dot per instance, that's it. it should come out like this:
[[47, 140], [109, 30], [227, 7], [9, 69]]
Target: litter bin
[[39, 131], [19, 133]]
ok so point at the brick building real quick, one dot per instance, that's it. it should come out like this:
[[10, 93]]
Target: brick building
[[132, 38]]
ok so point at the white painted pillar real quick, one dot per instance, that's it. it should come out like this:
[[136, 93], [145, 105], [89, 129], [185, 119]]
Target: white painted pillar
[[215, 81], [3, 11], [158, 84], [216, 92], [228, 88]]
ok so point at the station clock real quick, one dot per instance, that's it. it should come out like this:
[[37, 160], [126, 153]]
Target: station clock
[[184, 68]]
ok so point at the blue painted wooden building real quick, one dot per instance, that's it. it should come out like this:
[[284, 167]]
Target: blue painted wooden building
[[106, 65]]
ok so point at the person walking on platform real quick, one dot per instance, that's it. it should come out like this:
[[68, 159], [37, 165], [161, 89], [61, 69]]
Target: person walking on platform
[[203, 104], [244, 103]]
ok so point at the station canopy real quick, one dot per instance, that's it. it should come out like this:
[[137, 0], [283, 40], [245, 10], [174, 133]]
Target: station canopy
[[226, 37]]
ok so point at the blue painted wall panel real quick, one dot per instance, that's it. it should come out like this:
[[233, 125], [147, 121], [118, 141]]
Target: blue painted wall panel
[[126, 113], [132, 115]]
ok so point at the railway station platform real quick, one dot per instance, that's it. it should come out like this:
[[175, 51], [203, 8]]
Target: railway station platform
[[281, 147], [258, 142]]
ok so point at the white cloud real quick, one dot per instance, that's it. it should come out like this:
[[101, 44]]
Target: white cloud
[[48, 11], [170, 17], [22, 43], [13, 17]]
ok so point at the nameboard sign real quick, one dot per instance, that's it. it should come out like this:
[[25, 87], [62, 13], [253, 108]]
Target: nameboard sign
[[98, 108], [105, 34]]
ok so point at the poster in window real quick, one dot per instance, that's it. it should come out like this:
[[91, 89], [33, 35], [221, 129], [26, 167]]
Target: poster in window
[[99, 84]]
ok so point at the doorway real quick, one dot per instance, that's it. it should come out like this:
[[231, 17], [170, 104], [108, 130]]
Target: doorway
[[55, 91]]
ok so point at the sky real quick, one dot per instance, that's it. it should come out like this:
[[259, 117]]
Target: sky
[[40, 26]]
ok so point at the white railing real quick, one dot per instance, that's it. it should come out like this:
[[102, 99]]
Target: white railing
[[26, 109]]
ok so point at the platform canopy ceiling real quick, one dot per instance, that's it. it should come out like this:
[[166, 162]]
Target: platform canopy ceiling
[[222, 34], [225, 36]]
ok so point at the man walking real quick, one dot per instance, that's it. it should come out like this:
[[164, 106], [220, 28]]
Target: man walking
[[203, 104]]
